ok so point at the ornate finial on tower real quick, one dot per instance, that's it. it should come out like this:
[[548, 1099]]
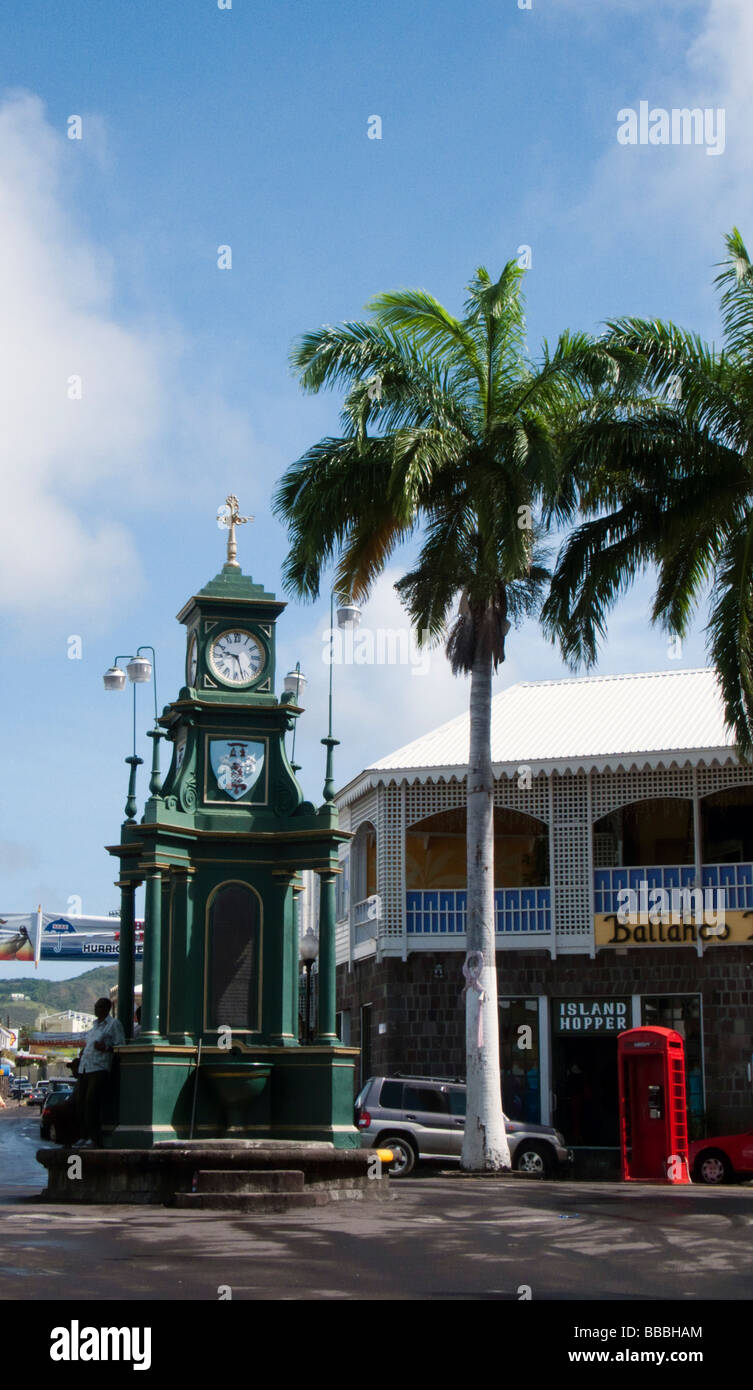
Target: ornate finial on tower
[[229, 516]]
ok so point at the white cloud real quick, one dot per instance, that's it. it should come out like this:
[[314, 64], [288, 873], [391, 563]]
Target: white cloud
[[78, 475], [647, 193], [63, 460]]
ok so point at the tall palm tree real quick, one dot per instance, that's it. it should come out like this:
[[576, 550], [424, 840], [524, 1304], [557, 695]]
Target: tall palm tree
[[448, 430], [662, 461]]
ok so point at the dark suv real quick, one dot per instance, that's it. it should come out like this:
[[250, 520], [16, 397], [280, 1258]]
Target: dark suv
[[424, 1117]]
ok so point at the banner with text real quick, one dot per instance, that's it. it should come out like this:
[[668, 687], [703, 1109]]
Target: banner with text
[[34, 936]]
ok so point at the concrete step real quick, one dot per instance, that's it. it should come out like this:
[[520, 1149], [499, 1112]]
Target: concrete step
[[251, 1202], [243, 1180]]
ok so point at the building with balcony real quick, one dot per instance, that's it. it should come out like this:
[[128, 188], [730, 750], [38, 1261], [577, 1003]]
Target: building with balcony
[[68, 1021], [623, 830]]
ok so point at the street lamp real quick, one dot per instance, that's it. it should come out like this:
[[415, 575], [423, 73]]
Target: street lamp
[[139, 671], [308, 950], [294, 684], [348, 617]]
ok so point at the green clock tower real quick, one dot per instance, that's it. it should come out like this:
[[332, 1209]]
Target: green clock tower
[[220, 849]]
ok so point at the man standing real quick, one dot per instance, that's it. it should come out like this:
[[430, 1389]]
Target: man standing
[[95, 1063]]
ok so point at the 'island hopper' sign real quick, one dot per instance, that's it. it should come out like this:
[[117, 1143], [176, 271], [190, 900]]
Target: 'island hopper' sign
[[590, 1018]]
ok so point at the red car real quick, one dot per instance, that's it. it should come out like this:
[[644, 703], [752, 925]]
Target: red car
[[724, 1158]]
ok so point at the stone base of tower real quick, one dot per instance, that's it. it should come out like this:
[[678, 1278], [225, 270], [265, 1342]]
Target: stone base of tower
[[222, 1175]]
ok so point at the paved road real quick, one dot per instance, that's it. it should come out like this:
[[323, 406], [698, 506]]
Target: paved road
[[437, 1238]]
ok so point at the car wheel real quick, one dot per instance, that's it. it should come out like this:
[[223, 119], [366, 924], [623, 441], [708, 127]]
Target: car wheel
[[404, 1160], [712, 1166], [533, 1158], [52, 1133]]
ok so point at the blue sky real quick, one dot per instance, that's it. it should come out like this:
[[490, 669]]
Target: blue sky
[[248, 127]]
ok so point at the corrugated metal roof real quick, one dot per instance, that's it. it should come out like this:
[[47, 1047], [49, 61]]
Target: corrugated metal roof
[[584, 721]]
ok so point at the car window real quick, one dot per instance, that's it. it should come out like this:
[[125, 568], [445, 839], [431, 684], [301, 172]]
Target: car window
[[392, 1095], [457, 1102], [425, 1098]]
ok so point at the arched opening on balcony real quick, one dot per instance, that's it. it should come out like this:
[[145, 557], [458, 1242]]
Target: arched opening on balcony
[[435, 874], [363, 872], [656, 831], [727, 826], [365, 905], [435, 853]]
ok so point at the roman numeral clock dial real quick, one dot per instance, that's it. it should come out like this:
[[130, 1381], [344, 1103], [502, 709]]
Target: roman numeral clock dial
[[236, 657]]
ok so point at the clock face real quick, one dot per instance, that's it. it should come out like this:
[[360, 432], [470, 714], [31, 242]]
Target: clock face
[[192, 660], [236, 657]]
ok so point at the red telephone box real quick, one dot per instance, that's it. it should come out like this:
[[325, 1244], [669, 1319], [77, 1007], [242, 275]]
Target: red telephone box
[[653, 1109]]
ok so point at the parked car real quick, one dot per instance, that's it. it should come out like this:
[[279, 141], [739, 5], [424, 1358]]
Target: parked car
[[59, 1119], [424, 1117], [724, 1158], [59, 1083]]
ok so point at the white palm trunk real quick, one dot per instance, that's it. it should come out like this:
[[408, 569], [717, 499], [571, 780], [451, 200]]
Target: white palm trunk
[[485, 1142]]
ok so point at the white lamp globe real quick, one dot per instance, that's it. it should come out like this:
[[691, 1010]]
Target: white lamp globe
[[348, 616], [114, 678], [139, 670], [308, 946], [295, 683]]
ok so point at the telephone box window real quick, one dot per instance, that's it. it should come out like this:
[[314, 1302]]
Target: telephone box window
[[234, 959]]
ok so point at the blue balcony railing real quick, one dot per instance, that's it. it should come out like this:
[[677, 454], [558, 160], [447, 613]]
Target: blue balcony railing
[[442, 911], [735, 879]]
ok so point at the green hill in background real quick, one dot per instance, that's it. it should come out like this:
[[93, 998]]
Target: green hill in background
[[51, 996]]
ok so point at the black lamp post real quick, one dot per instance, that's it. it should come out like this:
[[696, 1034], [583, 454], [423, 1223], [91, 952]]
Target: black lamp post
[[308, 950]]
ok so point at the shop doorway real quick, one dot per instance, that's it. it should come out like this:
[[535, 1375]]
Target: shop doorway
[[585, 1091]]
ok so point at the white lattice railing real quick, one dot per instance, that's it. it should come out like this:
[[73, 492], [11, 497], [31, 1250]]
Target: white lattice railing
[[366, 917]]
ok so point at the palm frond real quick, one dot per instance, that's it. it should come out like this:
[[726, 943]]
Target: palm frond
[[730, 630], [736, 280]]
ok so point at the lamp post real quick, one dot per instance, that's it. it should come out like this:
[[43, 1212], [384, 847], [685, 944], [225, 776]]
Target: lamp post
[[139, 671], [308, 950], [295, 684], [348, 618]]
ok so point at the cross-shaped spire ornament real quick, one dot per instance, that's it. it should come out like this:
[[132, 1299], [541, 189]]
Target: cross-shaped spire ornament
[[229, 516]]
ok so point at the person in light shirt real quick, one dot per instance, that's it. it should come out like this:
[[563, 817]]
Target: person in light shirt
[[95, 1062]]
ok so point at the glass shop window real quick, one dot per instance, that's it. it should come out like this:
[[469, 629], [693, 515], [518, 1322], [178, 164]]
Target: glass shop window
[[519, 1059], [682, 1012]]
